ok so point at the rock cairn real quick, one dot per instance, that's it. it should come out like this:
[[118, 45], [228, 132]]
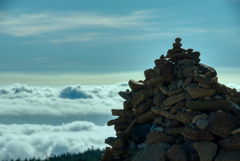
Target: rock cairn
[[178, 113]]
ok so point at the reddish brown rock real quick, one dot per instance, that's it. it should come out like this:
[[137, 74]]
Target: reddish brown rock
[[168, 72], [176, 153], [186, 117], [178, 40], [176, 91], [189, 97], [121, 126], [158, 99], [205, 80], [177, 45], [120, 151], [197, 134], [197, 92], [173, 130], [149, 74], [231, 143], [193, 156], [155, 81], [143, 107], [117, 120], [189, 69], [175, 99], [145, 117], [127, 105], [161, 112], [110, 141], [171, 52], [119, 112], [221, 124], [118, 143], [134, 85], [177, 107], [139, 98], [108, 155], [195, 56], [151, 91], [127, 132], [160, 61], [164, 90], [187, 81], [225, 155], [211, 105], [156, 89], [154, 152], [157, 136], [175, 123], [206, 150], [234, 99], [221, 89]]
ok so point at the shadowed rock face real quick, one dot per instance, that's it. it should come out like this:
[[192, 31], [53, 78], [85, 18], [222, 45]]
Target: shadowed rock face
[[176, 152], [231, 143], [154, 152], [179, 112], [221, 124]]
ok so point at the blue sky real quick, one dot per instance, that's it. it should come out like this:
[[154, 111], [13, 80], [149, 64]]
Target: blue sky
[[63, 62], [92, 38]]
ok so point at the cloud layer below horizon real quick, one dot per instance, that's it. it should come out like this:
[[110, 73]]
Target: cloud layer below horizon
[[39, 121], [31, 140]]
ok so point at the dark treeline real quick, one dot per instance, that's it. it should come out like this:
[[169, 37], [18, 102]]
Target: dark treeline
[[90, 155]]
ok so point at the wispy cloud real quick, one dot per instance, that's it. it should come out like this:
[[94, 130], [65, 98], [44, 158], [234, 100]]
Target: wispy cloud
[[48, 21], [79, 38]]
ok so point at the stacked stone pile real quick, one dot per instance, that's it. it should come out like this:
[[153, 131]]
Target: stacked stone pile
[[180, 112]]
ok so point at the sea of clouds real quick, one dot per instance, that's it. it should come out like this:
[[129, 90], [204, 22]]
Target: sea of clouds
[[40, 121]]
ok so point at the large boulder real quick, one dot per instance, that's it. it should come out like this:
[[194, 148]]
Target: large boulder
[[154, 152], [206, 150], [158, 137], [231, 143], [221, 124], [225, 155], [197, 134], [176, 153]]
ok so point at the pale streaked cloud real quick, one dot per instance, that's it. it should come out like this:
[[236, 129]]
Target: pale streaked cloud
[[65, 78], [48, 22]]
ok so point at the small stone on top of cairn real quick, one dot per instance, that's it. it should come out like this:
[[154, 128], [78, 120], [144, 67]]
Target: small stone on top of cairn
[[179, 112], [177, 43]]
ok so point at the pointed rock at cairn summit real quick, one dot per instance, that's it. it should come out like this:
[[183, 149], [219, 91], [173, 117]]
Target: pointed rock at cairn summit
[[178, 112]]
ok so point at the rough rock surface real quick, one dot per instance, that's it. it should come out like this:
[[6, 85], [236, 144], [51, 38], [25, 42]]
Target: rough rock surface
[[225, 155], [231, 143], [158, 137], [154, 152], [176, 153], [197, 134], [206, 150], [221, 124]]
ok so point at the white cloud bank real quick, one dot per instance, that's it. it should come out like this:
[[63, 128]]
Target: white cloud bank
[[78, 100], [21, 102], [30, 140]]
